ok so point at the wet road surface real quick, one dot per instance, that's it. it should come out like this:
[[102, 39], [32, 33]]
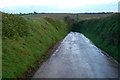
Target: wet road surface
[[77, 57]]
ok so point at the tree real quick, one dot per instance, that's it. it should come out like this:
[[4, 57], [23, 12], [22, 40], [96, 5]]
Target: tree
[[70, 21], [35, 12]]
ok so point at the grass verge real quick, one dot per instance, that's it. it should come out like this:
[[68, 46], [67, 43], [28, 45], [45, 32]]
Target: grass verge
[[27, 40]]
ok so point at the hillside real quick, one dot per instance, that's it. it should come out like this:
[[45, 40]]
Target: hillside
[[27, 40], [103, 32]]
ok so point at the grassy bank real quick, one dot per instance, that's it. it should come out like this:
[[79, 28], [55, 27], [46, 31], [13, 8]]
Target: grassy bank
[[26, 40], [103, 32]]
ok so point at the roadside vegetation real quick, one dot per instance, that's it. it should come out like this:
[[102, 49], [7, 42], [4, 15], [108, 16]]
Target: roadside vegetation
[[27, 40], [103, 32]]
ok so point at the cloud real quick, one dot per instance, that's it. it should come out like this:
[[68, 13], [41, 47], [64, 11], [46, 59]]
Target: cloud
[[65, 6], [53, 3], [90, 8]]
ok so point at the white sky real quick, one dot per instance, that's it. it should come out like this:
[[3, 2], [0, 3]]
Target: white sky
[[56, 4]]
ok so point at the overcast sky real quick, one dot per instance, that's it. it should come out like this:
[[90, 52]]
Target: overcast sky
[[58, 6]]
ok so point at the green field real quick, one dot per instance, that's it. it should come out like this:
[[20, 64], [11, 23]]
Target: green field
[[103, 32], [26, 40]]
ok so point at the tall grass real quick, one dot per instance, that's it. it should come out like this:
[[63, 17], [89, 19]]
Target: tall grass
[[103, 32], [26, 40]]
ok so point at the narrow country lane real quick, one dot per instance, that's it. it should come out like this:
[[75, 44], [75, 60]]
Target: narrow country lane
[[77, 57]]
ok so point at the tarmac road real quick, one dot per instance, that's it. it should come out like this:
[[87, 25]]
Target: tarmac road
[[77, 57]]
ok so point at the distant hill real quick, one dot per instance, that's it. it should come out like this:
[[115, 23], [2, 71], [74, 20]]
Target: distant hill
[[81, 16]]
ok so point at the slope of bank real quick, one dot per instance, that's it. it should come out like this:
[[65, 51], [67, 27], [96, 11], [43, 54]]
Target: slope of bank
[[103, 32], [26, 40]]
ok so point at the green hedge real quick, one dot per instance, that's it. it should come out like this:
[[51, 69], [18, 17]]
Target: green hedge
[[103, 32]]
